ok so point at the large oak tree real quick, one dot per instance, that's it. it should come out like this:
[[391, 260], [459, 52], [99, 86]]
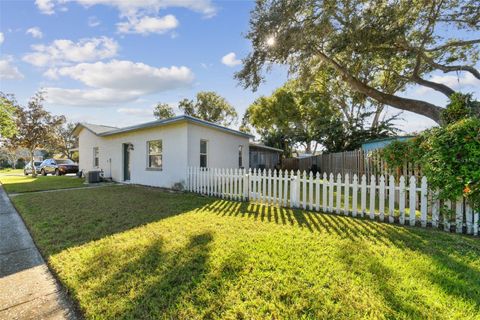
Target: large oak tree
[[407, 40]]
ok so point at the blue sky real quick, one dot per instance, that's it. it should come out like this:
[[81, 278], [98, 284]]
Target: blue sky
[[109, 62]]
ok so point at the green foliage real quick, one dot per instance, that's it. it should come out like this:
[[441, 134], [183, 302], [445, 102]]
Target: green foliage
[[461, 106], [451, 160], [35, 126], [289, 112], [449, 157], [211, 107], [377, 48], [398, 153], [308, 112], [163, 111], [8, 107]]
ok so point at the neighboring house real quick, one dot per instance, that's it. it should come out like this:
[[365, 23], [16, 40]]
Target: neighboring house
[[263, 157], [382, 143], [158, 153]]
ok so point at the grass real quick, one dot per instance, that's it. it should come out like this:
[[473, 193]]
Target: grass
[[128, 252], [14, 181]]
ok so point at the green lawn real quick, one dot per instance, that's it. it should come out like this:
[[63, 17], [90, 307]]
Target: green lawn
[[142, 253], [14, 181]]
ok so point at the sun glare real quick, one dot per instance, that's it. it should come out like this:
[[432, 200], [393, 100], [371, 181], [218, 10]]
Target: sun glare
[[271, 41]]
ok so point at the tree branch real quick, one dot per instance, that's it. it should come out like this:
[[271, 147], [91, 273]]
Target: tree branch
[[417, 106], [446, 90], [459, 43], [446, 69]]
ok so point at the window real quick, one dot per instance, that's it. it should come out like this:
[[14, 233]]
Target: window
[[203, 153], [154, 149], [96, 161], [240, 156]]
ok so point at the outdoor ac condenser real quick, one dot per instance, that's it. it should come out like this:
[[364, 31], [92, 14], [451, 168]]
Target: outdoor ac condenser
[[93, 177]]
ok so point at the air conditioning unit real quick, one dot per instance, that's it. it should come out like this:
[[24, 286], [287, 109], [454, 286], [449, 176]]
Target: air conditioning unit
[[93, 176]]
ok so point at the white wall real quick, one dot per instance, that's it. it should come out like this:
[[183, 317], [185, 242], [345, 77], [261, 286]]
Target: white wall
[[222, 147], [181, 148]]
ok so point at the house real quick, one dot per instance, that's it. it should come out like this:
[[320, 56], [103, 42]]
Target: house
[[158, 153], [264, 157], [382, 143]]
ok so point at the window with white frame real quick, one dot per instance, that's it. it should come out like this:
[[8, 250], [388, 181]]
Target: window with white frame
[[240, 156], [96, 161], [154, 156], [203, 153]]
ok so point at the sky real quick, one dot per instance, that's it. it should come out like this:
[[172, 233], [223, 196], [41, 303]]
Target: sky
[[109, 62]]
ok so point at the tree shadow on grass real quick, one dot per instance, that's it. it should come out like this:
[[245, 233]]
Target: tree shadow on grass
[[82, 216], [452, 274], [161, 283]]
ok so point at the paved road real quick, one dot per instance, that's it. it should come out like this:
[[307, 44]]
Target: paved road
[[27, 288]]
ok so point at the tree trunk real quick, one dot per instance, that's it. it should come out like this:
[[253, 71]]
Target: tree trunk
[[417, 106]]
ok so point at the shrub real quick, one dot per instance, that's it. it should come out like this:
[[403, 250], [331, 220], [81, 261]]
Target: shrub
[[451, 160], [449, 157], [461, 106]]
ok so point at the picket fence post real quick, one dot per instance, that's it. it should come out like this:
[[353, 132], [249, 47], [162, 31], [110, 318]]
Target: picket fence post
[[324, 193], [293, 190], [435, 210], [401, 205], [423, 201], [391, 199], [338, 206], [372, 196], [346, 199], [413, 200], [331, 186], [459, 216], [354, 195], [381, 198], [363, 200]]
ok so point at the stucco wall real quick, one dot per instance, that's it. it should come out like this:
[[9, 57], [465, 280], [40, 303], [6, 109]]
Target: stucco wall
[[222, 147], [181, 148]]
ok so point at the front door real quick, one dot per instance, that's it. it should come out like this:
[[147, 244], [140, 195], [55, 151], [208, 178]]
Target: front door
[[126, 162]]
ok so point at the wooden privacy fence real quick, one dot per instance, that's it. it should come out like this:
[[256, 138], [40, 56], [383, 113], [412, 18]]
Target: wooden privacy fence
[[407, 202], [357, 162]]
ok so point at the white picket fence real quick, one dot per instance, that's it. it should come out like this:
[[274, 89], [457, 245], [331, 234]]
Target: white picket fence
[[387, 200]]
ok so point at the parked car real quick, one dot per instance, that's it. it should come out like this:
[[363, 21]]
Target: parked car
[[58, 167], [28, 167]]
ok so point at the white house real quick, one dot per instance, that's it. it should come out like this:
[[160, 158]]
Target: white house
[[158, 153]]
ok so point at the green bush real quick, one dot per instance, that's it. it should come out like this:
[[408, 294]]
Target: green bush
[[451, 160], [461, 106], [449, 157]]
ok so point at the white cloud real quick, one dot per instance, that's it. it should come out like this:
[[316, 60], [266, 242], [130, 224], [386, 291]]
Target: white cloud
[[8, 71], [46, 6], [2, 38], [116, 81], [230, 59], [93, 22], [146, 25], [35, 32], [134, 7], [61, 52]]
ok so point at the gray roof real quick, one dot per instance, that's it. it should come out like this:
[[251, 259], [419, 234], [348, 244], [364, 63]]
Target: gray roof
[[107, 131], [98, 129]]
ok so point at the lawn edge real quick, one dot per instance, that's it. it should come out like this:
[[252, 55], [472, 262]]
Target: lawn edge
[[76, 308]]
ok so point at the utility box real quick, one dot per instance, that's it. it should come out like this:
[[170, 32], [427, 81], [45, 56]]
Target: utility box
[[93, 176]]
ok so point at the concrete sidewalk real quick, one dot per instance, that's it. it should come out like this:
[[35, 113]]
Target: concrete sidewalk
[[28, 290]]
